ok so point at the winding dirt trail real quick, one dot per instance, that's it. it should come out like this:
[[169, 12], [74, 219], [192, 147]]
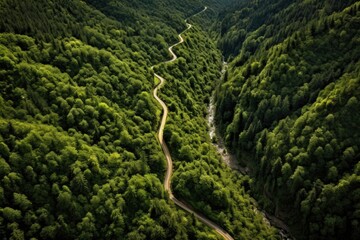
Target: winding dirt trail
[[167, 181]]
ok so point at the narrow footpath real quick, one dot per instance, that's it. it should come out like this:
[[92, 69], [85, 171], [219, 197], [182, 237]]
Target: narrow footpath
[[167, 181]]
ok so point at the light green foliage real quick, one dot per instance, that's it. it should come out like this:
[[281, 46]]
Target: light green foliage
[[78, 154]]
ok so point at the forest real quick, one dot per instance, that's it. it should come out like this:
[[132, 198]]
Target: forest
[[200, 177], [79, 154], [79, 158], [289, 109]]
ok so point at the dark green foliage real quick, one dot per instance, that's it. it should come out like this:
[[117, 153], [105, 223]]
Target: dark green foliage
[[289, 109]]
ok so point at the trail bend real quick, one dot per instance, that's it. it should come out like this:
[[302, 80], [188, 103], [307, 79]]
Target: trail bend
[[169, 171]]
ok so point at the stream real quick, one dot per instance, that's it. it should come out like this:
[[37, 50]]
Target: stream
[[227, 157], [231, 161], [217, 141]]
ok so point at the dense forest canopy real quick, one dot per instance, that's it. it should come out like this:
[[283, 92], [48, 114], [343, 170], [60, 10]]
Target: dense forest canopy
[[289, 109], [79, 158], [200, 178]]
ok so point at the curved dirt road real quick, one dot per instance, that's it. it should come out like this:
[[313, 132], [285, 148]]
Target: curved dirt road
[[167, 181]]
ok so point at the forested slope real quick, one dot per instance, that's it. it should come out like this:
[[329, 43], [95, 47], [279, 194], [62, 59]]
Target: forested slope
[[200, 178], [289, 108], [79, 157], [78, 153]]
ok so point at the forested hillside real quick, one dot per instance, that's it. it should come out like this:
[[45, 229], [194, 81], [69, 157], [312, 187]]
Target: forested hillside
[[289, 108], [78, 153], [79, 158], [200, 178]]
